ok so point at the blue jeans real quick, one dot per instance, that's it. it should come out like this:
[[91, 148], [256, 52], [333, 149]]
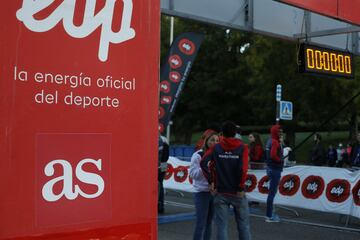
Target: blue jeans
[[274, 178], [204, 215], [241, 210]]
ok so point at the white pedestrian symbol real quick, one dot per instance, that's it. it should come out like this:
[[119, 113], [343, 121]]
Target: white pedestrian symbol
[[286, 110]]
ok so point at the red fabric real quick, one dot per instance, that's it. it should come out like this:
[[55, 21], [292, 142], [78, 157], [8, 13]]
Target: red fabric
[[209, 151], [348, 150], [229, 144], [346, 10], [211, 164], [274, 151], [204, 136], [275, 145], [256, 153], [245, 166], [275, 132], [212, 172]]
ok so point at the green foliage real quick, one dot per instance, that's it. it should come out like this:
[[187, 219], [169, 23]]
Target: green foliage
[[229, 81]]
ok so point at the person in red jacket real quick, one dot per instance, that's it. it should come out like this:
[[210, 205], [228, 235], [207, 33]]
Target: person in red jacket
[[274, 161], [225, 166], [256, 151]]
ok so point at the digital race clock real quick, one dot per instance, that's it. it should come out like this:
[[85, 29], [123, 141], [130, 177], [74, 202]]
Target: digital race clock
[[323, 61]]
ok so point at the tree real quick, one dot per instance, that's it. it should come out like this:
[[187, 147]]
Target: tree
[[235, 77]]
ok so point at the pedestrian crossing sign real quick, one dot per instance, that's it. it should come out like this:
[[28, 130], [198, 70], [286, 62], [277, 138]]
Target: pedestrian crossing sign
[[286, 110]]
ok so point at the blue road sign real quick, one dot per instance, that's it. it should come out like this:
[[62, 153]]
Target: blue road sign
[[286, 110]]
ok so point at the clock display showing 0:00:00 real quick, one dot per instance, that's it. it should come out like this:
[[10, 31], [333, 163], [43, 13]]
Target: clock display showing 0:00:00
[[326, 61]]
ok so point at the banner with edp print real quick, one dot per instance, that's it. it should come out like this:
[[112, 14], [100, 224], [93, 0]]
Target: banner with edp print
[[174, 73], [326, 189], [78, 96]]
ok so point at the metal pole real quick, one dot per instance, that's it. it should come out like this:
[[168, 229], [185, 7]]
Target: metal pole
[[171, 30], [171, 40], [278, 99], [168, 131], [277, 112]]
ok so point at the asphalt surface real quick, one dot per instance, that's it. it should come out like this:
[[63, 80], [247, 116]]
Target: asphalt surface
[[178, 221]]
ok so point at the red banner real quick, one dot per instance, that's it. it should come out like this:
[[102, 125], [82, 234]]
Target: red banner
[[78, 99], [344, 10]]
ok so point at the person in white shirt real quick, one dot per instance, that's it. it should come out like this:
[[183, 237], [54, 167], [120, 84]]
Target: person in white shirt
[[203, 198], [287, 151]]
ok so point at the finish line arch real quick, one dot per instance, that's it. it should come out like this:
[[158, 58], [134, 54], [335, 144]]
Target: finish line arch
[[270, 18]]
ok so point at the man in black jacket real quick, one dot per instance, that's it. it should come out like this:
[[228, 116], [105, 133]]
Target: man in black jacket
[[317, 156], [225, 166], [162, 167]]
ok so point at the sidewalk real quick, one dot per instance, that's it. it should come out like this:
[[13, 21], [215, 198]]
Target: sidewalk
[[178, 223]]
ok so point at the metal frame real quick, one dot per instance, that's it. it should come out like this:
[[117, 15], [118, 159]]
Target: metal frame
[[322, 33], [245, 15]]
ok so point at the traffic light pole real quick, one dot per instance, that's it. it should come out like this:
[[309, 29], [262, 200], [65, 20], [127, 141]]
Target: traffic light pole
[[278, 99]]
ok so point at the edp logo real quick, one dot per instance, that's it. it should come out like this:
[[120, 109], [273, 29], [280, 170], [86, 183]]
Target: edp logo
[[65, 13]]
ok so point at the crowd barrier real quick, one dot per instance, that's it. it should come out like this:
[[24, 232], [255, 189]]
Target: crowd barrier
[[182, 152], [326, 189]]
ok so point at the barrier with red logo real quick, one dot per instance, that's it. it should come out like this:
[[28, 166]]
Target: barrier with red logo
[[325, 189], [78, 96]]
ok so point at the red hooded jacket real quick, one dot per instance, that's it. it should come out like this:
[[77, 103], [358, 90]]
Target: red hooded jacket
[[275, 151], [226, 165], [274, 157]]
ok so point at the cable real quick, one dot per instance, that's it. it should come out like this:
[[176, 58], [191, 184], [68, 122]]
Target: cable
[[328, 120]]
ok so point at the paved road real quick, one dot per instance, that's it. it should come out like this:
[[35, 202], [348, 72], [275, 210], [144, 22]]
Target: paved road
[[178, 223]]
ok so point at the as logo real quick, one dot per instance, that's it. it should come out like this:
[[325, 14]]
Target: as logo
[[91, 22], [67, 180], [73, 182]]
